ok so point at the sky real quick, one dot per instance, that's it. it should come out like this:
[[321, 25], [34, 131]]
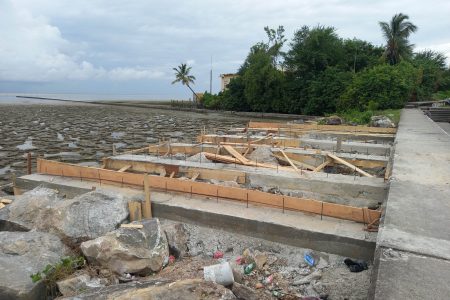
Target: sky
[[130, 47]]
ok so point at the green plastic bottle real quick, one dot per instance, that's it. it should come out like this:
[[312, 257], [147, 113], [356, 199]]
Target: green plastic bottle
[[249, 268]]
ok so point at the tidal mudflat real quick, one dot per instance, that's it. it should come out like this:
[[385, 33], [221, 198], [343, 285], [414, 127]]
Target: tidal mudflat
[[84, 133]]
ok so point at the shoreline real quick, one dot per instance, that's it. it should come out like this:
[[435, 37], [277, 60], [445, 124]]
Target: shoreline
[[168, 105]]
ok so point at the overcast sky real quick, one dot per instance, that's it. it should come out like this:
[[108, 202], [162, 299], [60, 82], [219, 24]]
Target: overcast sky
[[130, 46]]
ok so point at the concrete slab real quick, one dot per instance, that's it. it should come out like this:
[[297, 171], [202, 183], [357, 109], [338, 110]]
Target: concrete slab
[[297, 229], [416, 221]]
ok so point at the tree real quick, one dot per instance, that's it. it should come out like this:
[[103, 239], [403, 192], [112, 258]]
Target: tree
[[182, 75], [431, 67], [396, 33], [360, 54]]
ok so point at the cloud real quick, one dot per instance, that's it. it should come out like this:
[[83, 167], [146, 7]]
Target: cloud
[[34, 50], [141, 41]]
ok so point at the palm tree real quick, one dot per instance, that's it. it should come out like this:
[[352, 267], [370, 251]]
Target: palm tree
[[182, 75], [396, 33]]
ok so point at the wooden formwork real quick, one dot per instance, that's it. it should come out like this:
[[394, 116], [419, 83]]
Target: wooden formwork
[[315, 127], [362, 215]]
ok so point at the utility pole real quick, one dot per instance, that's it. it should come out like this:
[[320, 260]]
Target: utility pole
[[210, 78]]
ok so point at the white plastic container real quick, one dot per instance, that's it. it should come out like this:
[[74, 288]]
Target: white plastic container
[[220, 274]]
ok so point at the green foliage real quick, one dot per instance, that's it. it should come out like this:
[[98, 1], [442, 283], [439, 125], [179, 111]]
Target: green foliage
[[325, 90], [52, 273], [321, 73], [431, 71], [387, 86], [396, 33], [354, 116], [182, 74], [441, 95]]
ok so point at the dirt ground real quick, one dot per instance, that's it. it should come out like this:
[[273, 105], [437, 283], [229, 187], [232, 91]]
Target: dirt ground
[[331, 280], [86, 132]]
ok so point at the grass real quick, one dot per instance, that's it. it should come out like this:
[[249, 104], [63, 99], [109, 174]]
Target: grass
[[363, 118], [441, 95]]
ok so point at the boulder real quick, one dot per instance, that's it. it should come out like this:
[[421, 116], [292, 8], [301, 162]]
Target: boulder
[[23, 254], [331, 120], [84, 217], [177, 238], [78, 283], [27, 207], [381, 121], [130, 250], [189, 289]]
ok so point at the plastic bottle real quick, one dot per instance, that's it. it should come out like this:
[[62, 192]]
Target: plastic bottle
[[249, 268]]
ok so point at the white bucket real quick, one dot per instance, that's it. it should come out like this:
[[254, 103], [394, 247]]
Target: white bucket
[[221, 274]]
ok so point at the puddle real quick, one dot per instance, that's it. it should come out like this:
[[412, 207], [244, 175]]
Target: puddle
[[28, 145], [117, 135], [6, 170]]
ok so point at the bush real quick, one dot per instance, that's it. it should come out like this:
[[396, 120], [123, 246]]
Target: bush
[[384, 86]]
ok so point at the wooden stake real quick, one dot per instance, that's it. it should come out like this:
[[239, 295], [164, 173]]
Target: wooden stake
[[147, 206], [135, 210], [29, 163]]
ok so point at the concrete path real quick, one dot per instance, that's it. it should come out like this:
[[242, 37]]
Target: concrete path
[[412, 259]]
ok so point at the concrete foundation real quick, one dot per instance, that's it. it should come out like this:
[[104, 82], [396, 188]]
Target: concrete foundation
[[325, 234], [336, 188]]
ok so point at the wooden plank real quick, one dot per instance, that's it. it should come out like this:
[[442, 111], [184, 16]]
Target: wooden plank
[[301, 164], [235, 154], [2, 205], [134, 207], [289, 161], [322, 165], [6, 201], [132, 226], [174, 167], [234, 193], [253, 124], [124, 168], [340, 160], [146, 206]]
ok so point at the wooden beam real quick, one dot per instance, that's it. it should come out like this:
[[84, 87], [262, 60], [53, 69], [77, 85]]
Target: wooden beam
[[340, 160], [6, 201], [206, 189], [124, 168], [175, 167], [289, 161], [233, 160], [322, 165], [296, 162], [132, 226], [236, 154], [315, 127], [134, 207], [147, 206]]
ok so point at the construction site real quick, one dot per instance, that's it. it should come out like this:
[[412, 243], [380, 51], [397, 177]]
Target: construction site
[[327, 192]]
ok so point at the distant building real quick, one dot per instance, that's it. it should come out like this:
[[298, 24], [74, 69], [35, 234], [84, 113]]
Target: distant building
[[225, 80], [197, 97]]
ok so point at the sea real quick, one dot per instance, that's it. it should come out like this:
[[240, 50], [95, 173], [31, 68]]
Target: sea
[[12, 98]]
